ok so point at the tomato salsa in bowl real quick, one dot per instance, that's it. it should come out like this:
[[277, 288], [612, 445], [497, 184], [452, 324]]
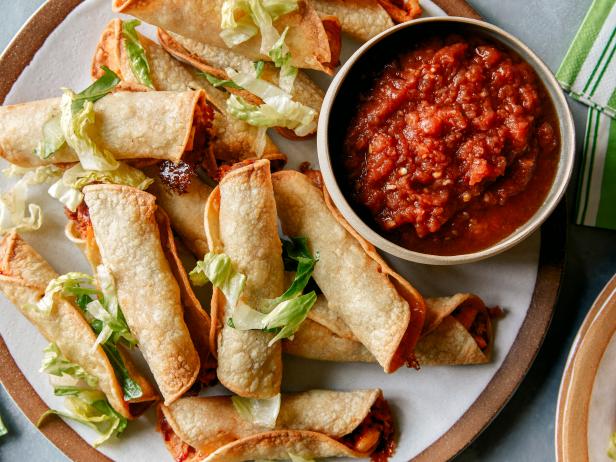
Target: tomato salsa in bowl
[[445, 140]]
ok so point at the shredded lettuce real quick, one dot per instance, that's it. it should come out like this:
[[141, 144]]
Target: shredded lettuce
[[68, 189], [84, 402], [15, 213], [243, 19], [102, 311], [292, 115], [54, 363], [54, 135], [91, 408], [284, 319], [136, 54], [53, 139], [282, 58], [3, 429], [75, 126], [282, 315], [261, 412], [219, 270]]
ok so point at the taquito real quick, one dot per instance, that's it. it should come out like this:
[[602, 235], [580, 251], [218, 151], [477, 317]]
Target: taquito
[[24, 276], [364, 19], [457, 331], [312, 424], [233, 140], [380, 307], [308, 39], [214, 60], [130, 125], [127, 234], [240, 221]]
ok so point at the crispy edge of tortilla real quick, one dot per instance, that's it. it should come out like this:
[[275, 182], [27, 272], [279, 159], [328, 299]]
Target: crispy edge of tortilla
[[401, 10], [17, 256], [196, 318]]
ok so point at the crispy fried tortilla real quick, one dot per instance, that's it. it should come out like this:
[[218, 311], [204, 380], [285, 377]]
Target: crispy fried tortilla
[[128, 124], [364, 19], [457, 331], [125, 227], [24, 275], [312, 424], [307, 39], [233, 141], [214, 60], [382, 309], [240, 221]]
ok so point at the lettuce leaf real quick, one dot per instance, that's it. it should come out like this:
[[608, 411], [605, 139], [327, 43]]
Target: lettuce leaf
[[136, 54], [54, 363], [243, 19], [91, 408], [218, 269], [75, 126], [216, 82], [261, 412], [54, 135], [53, 139], [68, 189], [282, 58], [100, 88], [3, 429], [102, 311], [285, 113], [15, 213], [284, 319]]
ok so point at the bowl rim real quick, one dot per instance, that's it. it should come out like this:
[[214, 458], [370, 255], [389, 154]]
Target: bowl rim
[[555, 194]]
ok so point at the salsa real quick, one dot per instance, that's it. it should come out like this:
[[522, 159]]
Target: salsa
[[453, 146]]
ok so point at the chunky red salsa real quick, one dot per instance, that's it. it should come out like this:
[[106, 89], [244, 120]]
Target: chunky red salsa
[[453, 147]]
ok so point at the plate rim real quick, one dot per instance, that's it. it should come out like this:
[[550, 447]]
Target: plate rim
[[589, 344], [476, 418]]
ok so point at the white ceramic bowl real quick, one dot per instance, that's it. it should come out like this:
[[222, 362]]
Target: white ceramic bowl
[[329, 127]]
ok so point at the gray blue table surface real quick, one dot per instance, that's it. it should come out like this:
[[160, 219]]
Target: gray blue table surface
[[524, 430]]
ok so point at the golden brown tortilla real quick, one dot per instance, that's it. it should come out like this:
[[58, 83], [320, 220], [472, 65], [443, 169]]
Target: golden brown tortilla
[[314, 423], [234, 140], [307, 39], [128, 125], [24, 275], [382, 309], [127, 234], [214, 60], [240, 221]]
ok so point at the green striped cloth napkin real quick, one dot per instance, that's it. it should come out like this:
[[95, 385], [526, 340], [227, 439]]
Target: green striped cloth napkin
[[588, 73]]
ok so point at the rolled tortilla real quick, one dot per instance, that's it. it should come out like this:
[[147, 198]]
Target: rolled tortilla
[[364, 19], [185, 210], [128, 124], [240, 221], [24, 275], [382, 309], [316, 423], [308, 40], [127, 235], [445, 340], [233, 140], [214, 60]]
